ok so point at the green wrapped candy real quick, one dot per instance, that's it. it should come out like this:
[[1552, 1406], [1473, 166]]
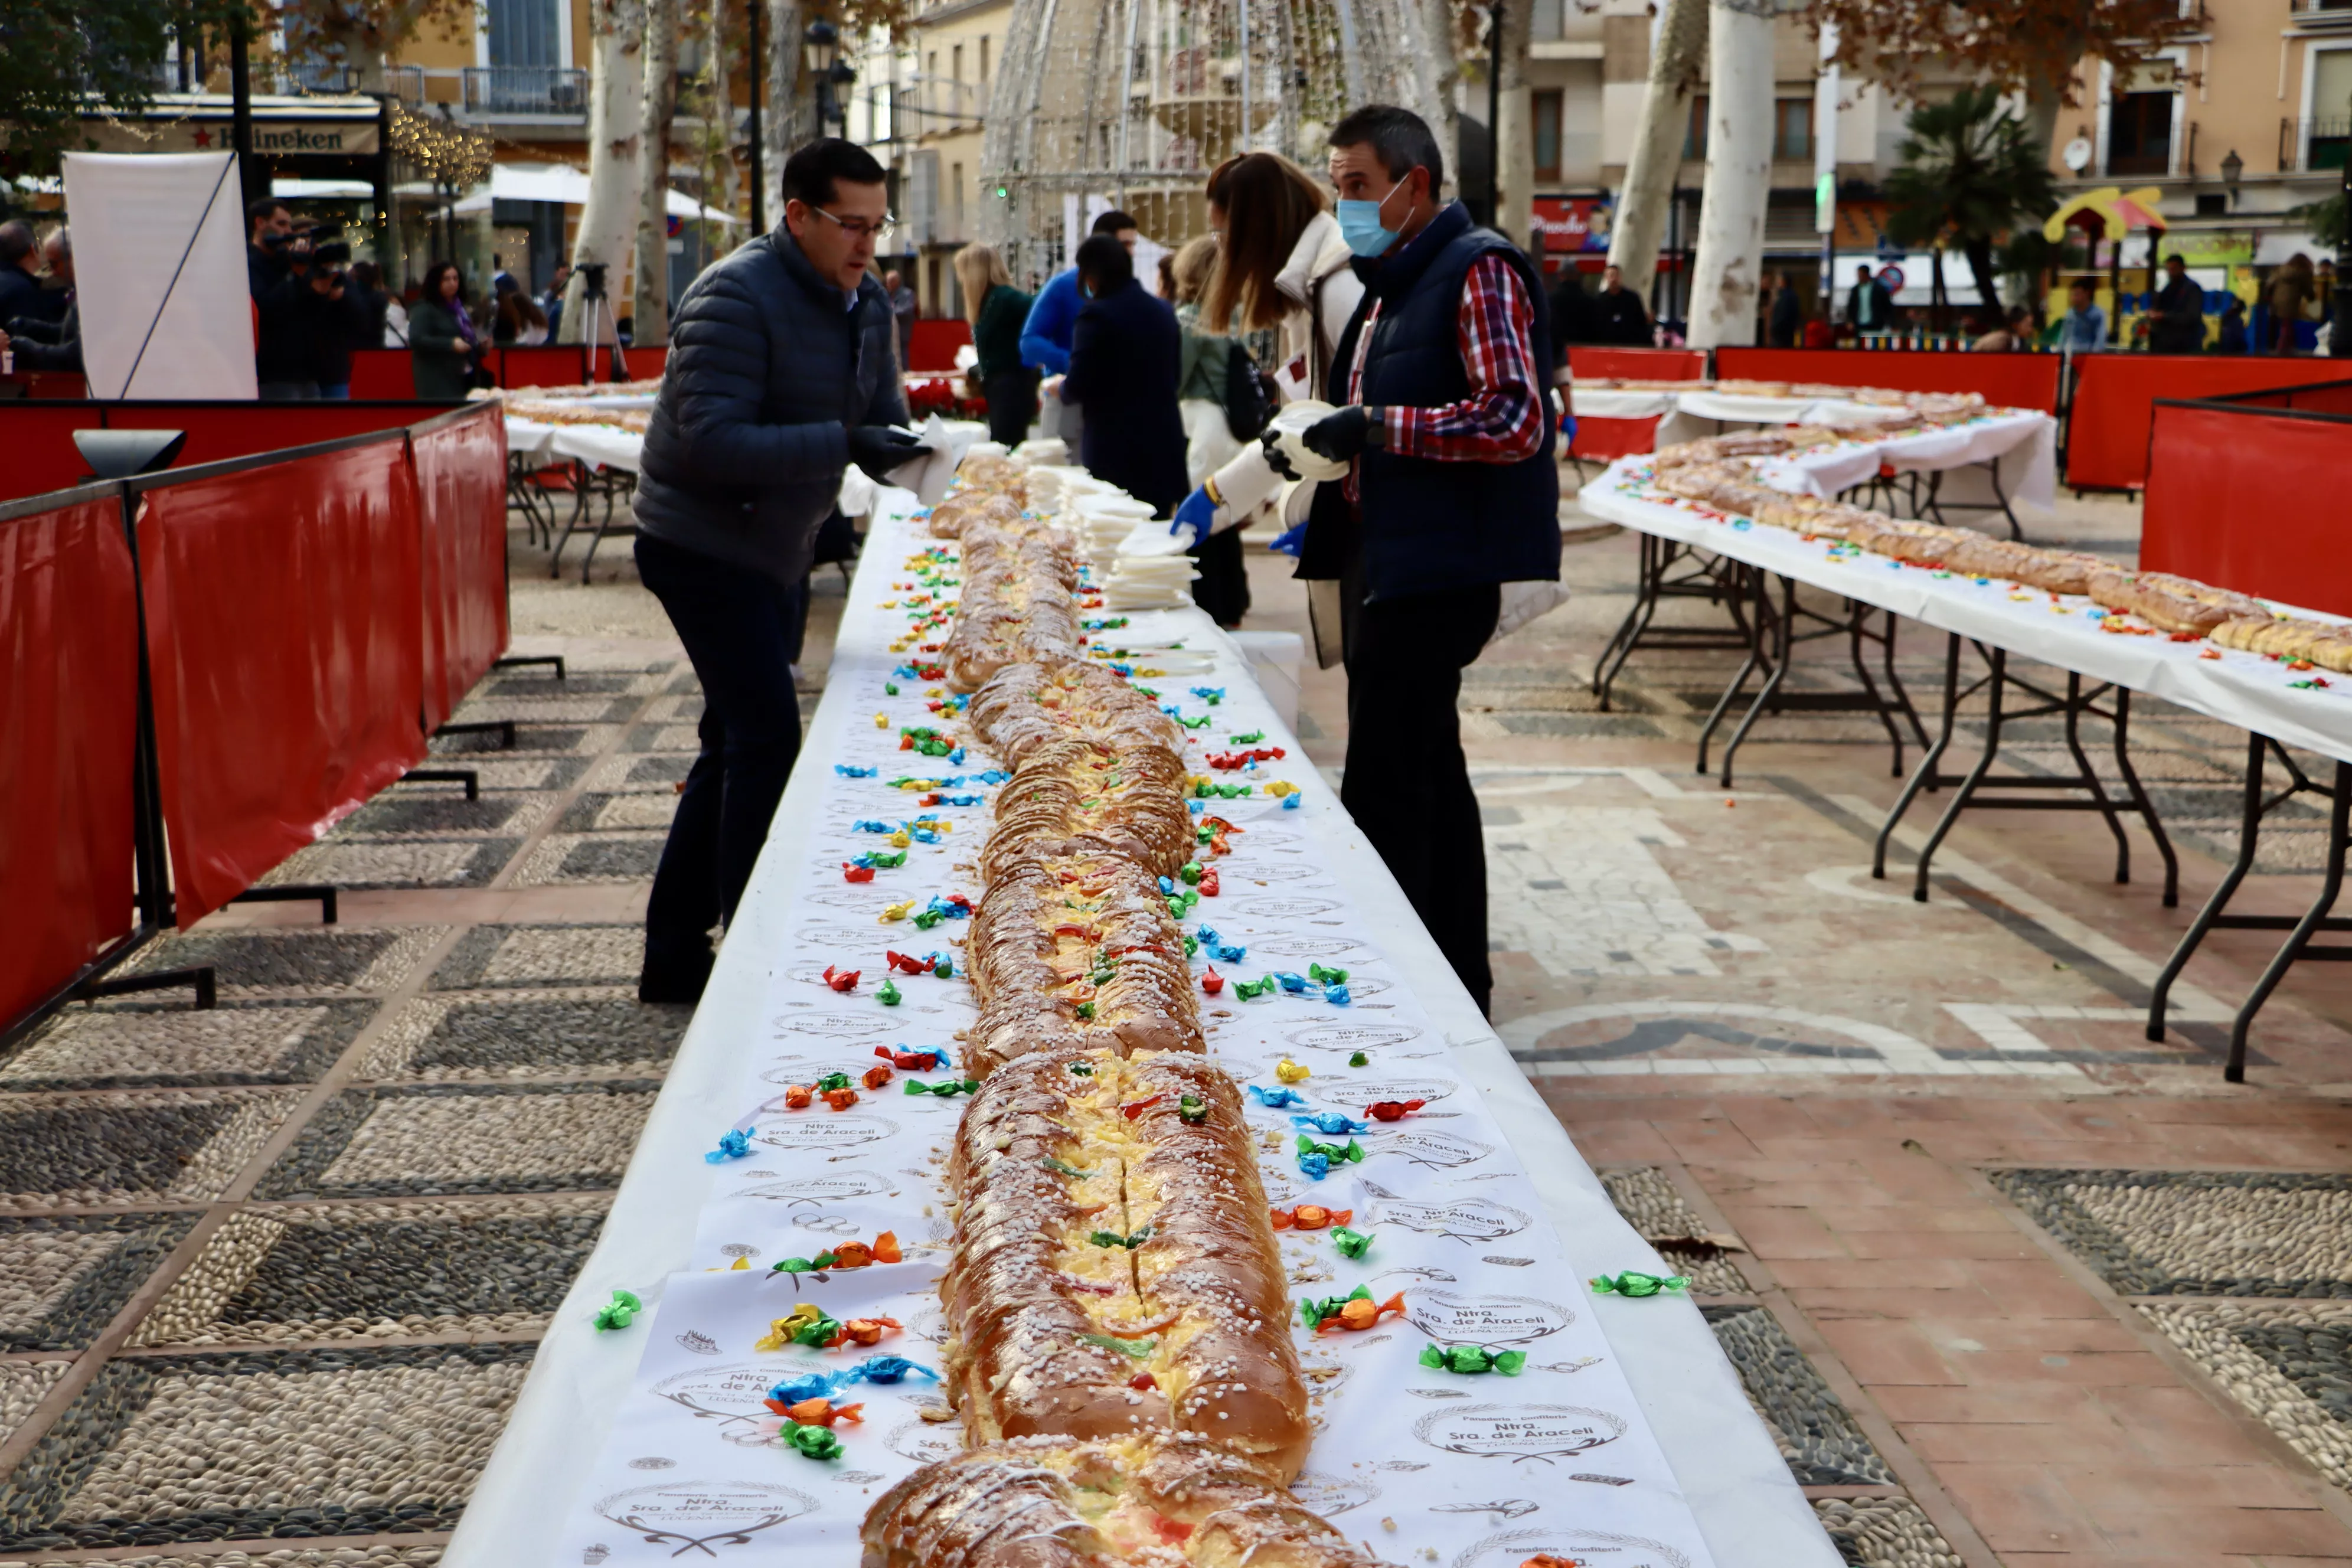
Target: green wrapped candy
[[889, 994], [1350, 1243], [1358, 1059], [1473, 1360], [814, 1442], [1322, 975], [619, 1311], [831, 1081], [1632, 1282], [1191, 1110]]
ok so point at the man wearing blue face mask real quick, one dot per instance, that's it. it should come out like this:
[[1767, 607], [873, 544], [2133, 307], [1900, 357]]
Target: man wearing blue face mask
[[1451, 490]]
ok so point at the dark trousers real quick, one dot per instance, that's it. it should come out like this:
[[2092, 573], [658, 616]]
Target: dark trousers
[[738, 628], [1223, 586], [1407, 784], [1012, 404]]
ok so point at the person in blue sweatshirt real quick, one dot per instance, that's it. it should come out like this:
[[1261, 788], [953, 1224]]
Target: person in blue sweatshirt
[[1053, 321]]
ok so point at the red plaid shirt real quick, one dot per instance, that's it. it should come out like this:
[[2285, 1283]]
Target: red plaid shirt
[[1502, 420]]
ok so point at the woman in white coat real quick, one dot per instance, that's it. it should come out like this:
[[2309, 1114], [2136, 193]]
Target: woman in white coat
[[1282, 272]]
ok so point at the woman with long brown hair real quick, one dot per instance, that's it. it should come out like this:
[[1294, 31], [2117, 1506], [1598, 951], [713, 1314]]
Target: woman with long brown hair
[[996, 310], [1283, 271]]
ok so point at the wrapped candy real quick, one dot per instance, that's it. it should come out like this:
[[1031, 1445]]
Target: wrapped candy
[[914, 1061], [1392, 1109], [1473, 1360], [1316, 1159], [734, 1143], [1351, 1243], [847, 772], [876, 1077], [1212, 983], [1323, 975], [842, 980], [1276, 1098], [946, 1088], [887, 994], [812, 1442], [1330, 1123], [798, 1096], [1632, 1282], [840, 1099], [1358, 1059], [1355, 1311], [848, 1255], [1308, 1217], [821, 1413], [620, 1311], [1289, 1071]]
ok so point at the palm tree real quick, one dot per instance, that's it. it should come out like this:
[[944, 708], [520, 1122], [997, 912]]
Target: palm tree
[[1970, 172]]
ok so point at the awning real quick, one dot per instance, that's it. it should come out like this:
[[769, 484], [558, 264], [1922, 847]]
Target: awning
[[2109, 210], [561, 183], [299, 188]]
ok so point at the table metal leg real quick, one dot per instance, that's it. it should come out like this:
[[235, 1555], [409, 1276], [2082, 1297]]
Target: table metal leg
[[2140, 802], [1782, 641], [579, 511], [1637, 619], [2250, 829], [2298, 944], [1969, 785], [1756, 654], [2105, 807]]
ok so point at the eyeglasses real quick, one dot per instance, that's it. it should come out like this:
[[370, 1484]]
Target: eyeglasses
[[858, 229]]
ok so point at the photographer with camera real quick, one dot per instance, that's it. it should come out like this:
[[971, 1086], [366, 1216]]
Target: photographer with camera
[[781, 373], [341, 314], [287, 289]]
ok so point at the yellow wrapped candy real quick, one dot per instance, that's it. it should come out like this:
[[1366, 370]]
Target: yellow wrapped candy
[[781, 1330], [1289, 1071], [896, 912]]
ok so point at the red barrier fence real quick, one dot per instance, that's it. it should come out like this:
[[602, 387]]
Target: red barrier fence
[[68, 723], [2013, 381], [932, 344], [2238, 496], [383, 375], [1637, 364], [284, 652], [2115, 401], [460, 461], [389, 375], [37, 437]]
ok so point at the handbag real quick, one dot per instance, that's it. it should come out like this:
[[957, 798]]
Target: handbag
[[1249, 398]]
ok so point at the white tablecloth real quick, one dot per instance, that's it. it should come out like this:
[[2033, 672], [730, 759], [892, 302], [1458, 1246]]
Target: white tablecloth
[[1612, 403], [598, 446], [2023, 443], [560, 1445], [2240, 688]]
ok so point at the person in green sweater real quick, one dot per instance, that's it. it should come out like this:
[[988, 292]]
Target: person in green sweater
[[997, 310], [441, 338]]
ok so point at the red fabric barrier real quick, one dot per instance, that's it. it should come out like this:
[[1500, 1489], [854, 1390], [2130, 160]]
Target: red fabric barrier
[[549, 365], [1637, 364], [1610, 440], [2013, 381], [2114, 403], [383, 375], [2326, 397], [220, 431], [284, 651], [2239, 498], [46, 383], [932, 344], [461, 497], [648, 364], [70, 667], [37, 438]]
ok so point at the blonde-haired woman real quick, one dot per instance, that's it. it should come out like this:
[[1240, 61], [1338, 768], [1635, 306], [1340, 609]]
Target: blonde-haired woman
[[996, 310], [1282, 270]]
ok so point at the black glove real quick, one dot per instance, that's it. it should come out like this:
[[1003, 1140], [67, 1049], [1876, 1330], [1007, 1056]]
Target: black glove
[[1340, 436], [878, 448]]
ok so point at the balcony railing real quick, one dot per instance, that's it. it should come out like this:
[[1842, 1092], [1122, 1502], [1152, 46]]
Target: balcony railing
[[2309, 145], [544, 91], [405, 83]]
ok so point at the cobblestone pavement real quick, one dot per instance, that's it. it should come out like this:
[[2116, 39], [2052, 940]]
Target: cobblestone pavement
[[2008, 1282], [278, 1269]]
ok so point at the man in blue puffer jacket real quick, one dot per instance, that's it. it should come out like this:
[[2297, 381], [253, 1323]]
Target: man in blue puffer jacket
[[781, 373]]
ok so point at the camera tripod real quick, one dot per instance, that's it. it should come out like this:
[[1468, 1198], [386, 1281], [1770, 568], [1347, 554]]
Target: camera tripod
[[599, 309]]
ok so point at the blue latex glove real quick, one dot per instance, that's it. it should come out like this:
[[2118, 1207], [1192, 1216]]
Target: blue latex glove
[[1568, 427], [1290, 541], [1198, 511]]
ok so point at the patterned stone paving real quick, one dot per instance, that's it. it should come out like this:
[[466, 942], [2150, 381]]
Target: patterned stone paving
[[436, 1139], [63, 1279], [223, 1445], [2198, 1233], [298, 962], [337, 1354], [122, 1046], [344, 1271], [496, 956], [532, 1034]]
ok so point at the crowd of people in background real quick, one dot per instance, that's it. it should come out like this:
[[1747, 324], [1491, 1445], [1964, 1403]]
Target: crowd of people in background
[[41, 318]]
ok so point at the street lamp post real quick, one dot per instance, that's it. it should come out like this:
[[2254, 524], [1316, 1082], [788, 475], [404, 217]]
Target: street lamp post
[[759, 164], [821, 48]]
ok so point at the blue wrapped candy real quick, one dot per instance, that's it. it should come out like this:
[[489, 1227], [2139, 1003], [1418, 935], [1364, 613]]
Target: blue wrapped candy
[[1330, 1123], [733, 1144], [846, 771], [1276, 1099]]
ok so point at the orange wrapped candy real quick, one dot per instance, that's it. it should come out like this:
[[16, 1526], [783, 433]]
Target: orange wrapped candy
[[1309, 1217]]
